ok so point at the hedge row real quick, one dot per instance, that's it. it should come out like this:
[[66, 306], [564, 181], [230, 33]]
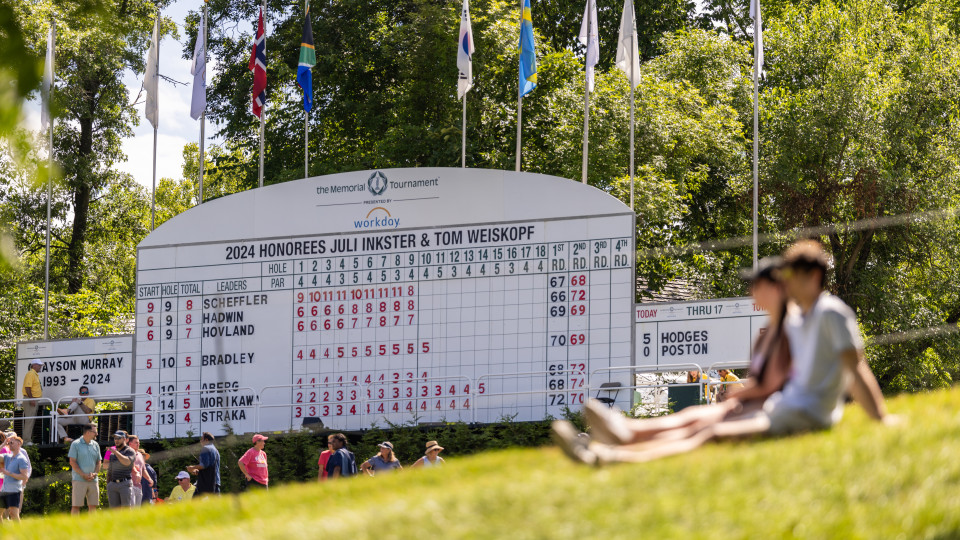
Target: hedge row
[[292, 457]]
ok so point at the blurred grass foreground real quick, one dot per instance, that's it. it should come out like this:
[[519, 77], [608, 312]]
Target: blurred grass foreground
[[860, 480]]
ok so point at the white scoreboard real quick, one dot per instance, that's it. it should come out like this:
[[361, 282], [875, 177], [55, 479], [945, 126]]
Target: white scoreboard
[[103, 364], [703, 332], [404, 295]]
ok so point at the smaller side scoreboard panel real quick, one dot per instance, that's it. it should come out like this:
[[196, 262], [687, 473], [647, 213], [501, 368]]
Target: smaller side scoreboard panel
[[702, 332], [103, 364]]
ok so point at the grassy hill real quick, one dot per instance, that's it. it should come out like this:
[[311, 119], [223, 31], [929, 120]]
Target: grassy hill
[[860, 480]]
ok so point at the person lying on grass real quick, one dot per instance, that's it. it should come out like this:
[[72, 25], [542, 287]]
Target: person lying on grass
[[768, 372], [827, 360]]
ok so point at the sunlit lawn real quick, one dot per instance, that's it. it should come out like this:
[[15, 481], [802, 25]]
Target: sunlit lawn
[[861, 480]]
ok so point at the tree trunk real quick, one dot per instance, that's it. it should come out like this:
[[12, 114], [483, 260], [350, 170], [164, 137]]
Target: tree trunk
[[81, 198], [851, 252]]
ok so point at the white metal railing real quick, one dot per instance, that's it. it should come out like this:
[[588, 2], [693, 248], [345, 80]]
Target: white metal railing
[[35, 417], [365, 392], [544, 391]]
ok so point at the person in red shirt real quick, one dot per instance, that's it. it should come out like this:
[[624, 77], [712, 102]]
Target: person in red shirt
[[253, 464], [324, 458]]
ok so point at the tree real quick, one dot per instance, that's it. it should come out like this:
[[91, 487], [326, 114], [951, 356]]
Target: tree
[[94, 47], [859, 124]]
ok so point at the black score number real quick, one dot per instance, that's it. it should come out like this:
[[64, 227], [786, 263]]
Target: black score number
[[557, 400], [561, 340], [96, 378], [55, 380]]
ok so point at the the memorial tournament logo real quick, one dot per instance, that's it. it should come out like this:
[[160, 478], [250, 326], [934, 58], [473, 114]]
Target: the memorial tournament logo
[[377, 183]]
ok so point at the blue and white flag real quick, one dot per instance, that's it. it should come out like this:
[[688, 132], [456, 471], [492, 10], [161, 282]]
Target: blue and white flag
[[465, 52], [589, 37], [198, 68]]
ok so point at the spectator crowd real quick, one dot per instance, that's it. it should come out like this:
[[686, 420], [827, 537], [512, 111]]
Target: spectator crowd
[[131, 481]]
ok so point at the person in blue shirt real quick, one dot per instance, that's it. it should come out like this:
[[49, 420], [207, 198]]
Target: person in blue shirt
[[342, 463], [16, 470], [208, 471]]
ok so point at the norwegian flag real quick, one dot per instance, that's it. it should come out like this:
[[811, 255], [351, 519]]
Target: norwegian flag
[[258, 65]]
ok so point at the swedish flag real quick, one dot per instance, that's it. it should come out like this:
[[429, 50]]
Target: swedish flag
[[528, 52], [308, 59]]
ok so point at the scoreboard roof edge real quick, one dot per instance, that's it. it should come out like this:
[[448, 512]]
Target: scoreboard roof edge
[[383, 200]]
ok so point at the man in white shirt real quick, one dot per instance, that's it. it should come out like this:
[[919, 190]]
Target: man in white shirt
[[826, 347]]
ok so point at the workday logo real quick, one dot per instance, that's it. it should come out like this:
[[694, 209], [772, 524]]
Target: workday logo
[[377, 183], [377, 218]]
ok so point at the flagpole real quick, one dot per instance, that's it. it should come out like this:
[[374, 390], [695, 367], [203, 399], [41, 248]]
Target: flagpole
[[519, 96], [46, 285], [306, 118], [203, 115], [633, 76], [756, 127], [586, 98], [463, 131], [153, 194], [263, 107]]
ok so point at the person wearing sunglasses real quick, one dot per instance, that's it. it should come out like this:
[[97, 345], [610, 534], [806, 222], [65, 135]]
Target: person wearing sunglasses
[[80, 412]]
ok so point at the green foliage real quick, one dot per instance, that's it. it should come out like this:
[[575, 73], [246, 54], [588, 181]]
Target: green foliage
[[859, 112]]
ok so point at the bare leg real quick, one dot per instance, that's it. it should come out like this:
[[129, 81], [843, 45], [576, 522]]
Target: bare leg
[[752, 424], [610, 426]]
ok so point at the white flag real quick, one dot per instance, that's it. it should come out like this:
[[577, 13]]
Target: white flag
[[199, 72], [758, 30], [465, 52], [47, 80], [589, 37], [151, 78], [628, 56]]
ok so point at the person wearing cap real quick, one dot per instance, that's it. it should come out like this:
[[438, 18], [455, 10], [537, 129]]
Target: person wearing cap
[[208, 470], [5, 450], [120, 472], [184, 490], [827, 350], [431, 458], [31, 391], [342, 463], [85, 462], [253, 463], [615, 438], [385, 461], [16, 471], [80, 412]]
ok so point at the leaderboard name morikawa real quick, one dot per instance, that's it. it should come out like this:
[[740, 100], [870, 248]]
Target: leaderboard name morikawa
[[235, 301]]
